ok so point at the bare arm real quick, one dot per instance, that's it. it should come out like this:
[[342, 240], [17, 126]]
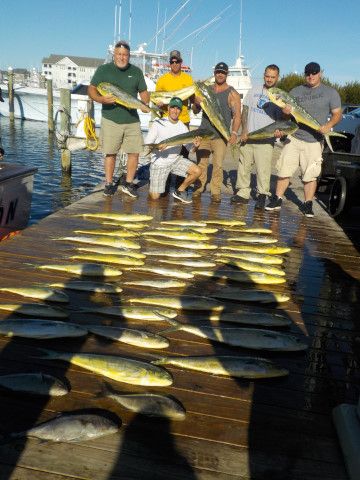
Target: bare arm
[[235, 104], [145, 96], [335, 118]]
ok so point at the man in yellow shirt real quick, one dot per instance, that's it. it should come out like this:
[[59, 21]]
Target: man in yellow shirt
[[175, 80]]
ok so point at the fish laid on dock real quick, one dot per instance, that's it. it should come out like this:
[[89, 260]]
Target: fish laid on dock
[[252, 257], [150, 404], [189, 263], [182, 302], [242, 277], [102, 258], [119, 217], [85, 269], [261, 230], [126, 225], [228, 365], [269, 250], [34, 310], [36, 383], [166, 252], [110, 251], [176, 235], [124, 99], [182, 139], [130, 336], [106, 241], [253, 239], [121, 369], [40, 329], [251, 338], [184, 223], [252, 266], [168, 283], [193, 245], [132, 312], [260, 296], [258, 319], [225, 223], [40, 293], [180, 228], [286, 126], [70, 428], [110, 233], [166, 272], [88, 286]]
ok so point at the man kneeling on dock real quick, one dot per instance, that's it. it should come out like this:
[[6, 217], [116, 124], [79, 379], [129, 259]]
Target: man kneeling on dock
[[168, 160]]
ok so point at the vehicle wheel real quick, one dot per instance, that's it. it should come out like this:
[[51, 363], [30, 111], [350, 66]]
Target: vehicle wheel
[[338, 201]]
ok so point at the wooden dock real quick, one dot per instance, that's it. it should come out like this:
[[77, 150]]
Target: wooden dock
[[277, 428]]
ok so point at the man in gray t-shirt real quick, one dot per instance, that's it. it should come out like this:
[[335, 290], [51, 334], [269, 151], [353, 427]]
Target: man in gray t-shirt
[[257, 112], [305, 146]]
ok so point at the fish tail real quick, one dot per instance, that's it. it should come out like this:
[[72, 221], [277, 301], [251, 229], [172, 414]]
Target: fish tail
[[171, 321], [157, 112], [157, 359], [327, 140], [105, 390]]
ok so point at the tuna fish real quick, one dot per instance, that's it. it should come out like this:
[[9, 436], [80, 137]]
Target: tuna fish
[[151, 404]]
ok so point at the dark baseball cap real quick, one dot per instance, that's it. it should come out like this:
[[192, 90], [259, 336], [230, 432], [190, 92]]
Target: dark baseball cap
[[312, 67], [175, 54], [221, 67], [176, 102], [1, 97]]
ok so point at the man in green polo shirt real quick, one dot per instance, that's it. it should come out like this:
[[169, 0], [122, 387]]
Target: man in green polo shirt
[[120, 126]]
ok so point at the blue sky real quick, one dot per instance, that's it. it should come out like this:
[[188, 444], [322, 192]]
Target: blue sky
[[286, 32]]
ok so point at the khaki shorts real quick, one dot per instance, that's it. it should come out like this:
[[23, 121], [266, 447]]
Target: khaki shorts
[[126, 136], [306, 155]]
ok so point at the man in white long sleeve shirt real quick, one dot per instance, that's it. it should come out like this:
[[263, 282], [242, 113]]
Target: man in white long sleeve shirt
[[166, 160]]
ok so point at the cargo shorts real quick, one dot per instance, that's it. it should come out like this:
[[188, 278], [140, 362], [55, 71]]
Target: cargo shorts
[[159, 172], [298, 153], [124, 136]]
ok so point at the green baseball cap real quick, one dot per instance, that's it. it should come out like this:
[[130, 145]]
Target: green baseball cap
[[176, 102]]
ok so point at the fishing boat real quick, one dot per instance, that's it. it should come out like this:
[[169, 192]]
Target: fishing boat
[[16, 186]]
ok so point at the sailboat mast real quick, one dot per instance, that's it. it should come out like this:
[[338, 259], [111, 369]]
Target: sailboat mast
[[130, 22], [119, 20], [240, 34]]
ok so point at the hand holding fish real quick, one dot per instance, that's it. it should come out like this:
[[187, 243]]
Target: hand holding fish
[[278, 133], [233, 138], [196, 143], [243, 137], [108, 99], [287, 109], [324, 129]]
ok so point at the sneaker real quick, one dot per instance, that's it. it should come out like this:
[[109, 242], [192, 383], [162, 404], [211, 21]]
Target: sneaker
[[109, 190], [238, 199], [129, 189], [307, 209], [274, 204], [182, 196], [260, 202], [216, 198]]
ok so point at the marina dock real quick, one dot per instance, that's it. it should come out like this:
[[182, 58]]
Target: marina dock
[[275, 428]]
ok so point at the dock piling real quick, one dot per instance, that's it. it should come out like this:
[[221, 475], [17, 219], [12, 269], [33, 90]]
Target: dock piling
[[11, 94], [50, 99], [65, 126]]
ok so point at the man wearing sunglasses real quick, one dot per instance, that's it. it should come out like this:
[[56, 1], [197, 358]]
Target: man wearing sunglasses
[[305, 147], [257, 112], [229, 103]]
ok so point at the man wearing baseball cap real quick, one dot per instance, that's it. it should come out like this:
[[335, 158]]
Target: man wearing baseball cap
[[229, 103], [305, 146], [167, 160]]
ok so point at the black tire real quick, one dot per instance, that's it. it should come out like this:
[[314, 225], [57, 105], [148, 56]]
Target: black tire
[[338, 202]]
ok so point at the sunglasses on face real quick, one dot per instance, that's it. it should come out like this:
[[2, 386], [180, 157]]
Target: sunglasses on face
[[175, 61], [311, 73]]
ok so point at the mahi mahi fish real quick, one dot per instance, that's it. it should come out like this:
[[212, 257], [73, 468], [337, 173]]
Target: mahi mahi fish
[[40, 329], [270, 250], [166, 272], [111, 233], [151, 404], [252, 257], [260, 296], [133, 312], [189, 263], [182, 139], [114, 259], [131, 336], [256, 319], [41, 293], [258, 278], [177, 235], [168, 283], [184, 244], [121, 369], [179, 228], [105, 241], [85, 269], [34, 310], [126, 225], [252, 266], [282, 98], [88, 286], [124, 99], [165, 97], [182, 302], [286, 126], [210, 106], [72, 427], [118, 217], [265, 239], [252, 338], [35, 383], [167, 252], [228, 365], [262, 230], [110, 251]]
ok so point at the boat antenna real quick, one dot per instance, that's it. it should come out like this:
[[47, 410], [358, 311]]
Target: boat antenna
[[157, 26], [240, 35], [119, 20], [115, 18], [163, 42], [130, 22]]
